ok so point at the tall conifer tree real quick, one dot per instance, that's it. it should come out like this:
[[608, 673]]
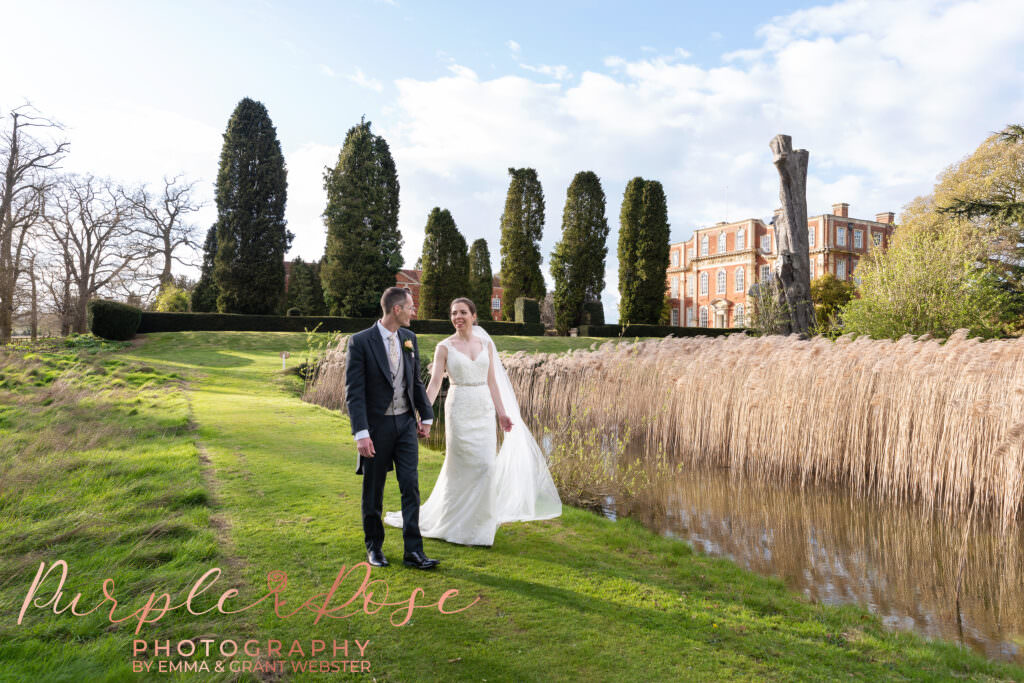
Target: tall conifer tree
[[252, 237], [304, 292], [481, 281], [364, 247], [577, 264], [629, 262], [643, 251], [522, 226], [445, 265], [204, 296]]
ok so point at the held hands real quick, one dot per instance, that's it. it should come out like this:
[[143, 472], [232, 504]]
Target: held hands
[[506, 423], [365, 447], [422, 430]]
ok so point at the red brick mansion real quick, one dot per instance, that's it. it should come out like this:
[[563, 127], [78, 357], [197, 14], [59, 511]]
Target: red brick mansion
[[708, 276]]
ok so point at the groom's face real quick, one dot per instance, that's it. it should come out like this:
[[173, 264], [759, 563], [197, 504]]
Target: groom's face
[[406, 311]]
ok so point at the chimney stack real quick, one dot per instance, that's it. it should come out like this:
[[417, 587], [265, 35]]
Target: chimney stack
[[841, 210], [885, 217]]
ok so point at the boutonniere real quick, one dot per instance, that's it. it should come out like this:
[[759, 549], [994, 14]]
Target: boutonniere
[[408, 345]]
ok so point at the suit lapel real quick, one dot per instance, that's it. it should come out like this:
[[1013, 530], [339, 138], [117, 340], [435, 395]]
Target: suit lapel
[[380, 353], [407, 359]]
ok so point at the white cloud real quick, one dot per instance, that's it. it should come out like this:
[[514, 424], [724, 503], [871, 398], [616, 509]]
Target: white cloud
[[361, 79], [559, 72], [307, 197], [513, 46], [326, 70], [884, 95]]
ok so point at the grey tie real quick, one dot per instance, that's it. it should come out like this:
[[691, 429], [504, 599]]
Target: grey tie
[[393, 354]]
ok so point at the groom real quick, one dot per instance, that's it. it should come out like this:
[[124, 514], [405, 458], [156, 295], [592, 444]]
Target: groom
[[382, 389]]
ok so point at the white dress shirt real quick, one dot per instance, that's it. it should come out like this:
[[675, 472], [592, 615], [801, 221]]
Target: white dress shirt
[[385, 334]]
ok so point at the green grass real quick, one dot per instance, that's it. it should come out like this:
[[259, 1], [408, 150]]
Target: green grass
[[222, 465]]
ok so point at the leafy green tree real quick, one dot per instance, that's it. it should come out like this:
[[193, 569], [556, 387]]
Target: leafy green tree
[[204, 296], [481, 281], [829, 294], [926, 282], [522, 226], [364, 247], [577, 264], [171, 299], [252, 237], [643, 251], [304, 291], [445, 265]]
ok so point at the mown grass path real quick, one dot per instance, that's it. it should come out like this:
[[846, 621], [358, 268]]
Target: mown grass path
[[572, 599]]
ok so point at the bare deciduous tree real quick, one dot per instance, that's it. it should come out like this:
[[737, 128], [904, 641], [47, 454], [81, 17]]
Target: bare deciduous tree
[[164, 222], [93, 227], [26, 160]]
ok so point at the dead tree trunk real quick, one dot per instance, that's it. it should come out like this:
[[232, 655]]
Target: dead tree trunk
[[792, 268]]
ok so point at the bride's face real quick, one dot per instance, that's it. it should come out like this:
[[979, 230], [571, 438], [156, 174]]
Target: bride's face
[[461, 317]]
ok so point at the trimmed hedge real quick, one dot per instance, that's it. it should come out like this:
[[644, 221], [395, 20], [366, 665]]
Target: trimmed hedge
[[231, 322], [654, 331], [113, 320], [527, 311]]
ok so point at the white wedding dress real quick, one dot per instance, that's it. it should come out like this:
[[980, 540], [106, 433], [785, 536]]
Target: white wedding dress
[[479, 487]]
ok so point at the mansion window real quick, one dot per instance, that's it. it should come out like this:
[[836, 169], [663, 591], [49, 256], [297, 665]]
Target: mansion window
[[721, 242], [675, 258], [741, 239], [810, 237], [704, 245], [720, 282], [877, 237], [691, 253], [675, 287], [740, 277], [675, 317], [840, 270], [765, 273], [703, 316], [703, 283], [689, 316], [690, 288], [737, 316], [766, 244], [811, 265], [496, 304], [841, 236], [858, 239]]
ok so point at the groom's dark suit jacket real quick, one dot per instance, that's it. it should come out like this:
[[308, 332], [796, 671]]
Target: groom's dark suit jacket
[[368, 386]]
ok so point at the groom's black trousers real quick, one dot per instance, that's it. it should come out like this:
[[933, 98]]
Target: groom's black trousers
[[394, 440]]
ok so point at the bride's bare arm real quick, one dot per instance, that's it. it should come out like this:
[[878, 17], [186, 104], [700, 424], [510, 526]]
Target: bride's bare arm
[[437, 372], [492, 384]]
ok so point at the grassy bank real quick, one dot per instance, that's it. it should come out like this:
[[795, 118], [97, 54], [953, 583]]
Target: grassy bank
[[220, 465]]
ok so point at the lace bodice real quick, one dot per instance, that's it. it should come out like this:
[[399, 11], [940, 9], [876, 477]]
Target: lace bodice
[[465, 371]]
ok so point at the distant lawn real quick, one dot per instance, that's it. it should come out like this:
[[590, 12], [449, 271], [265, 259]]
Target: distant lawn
[[192, 451]]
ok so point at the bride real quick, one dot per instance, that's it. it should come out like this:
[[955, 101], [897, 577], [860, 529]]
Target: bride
[[480, 487]]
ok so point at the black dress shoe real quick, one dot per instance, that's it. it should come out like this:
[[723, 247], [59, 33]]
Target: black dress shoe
[[418, 560], [375, 556]]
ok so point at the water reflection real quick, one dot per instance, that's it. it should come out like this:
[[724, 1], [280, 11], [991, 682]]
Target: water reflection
[[836, 549]]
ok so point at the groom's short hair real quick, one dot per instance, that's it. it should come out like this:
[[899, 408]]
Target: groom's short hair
[[393, 296]]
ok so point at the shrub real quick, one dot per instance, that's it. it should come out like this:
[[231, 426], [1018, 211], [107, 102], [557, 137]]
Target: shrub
[[654, 331], [527, 311], [172, 300], [224, 322], [113, 320]]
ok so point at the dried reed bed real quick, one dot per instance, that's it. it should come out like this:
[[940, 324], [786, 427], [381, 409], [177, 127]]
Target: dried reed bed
[[325, 385], [907, 421]]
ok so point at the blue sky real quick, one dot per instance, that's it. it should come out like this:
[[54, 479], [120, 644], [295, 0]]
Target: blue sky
[[883, 94]]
